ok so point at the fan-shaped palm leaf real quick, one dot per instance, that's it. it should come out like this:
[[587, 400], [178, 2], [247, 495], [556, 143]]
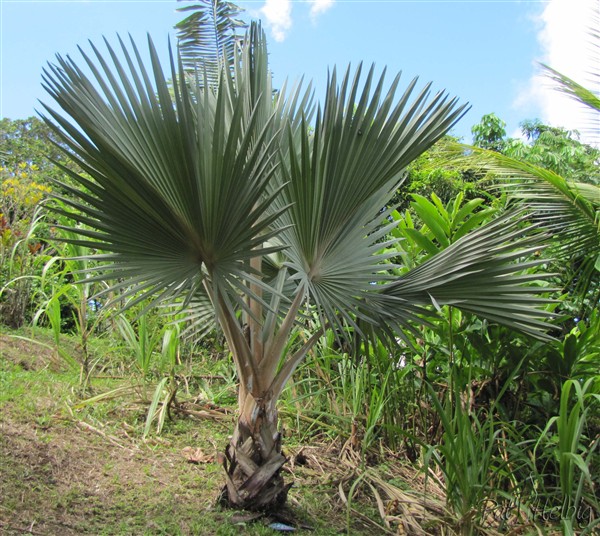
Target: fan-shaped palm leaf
[[163, 187], [478, 274], [341, 176]]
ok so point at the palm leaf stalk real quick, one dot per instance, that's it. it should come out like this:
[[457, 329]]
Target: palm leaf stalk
[[266, 209]]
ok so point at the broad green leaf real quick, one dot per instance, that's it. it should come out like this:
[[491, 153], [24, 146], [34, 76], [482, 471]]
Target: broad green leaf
[[473, 222], [466, 210], [430, 216], [421, 240]]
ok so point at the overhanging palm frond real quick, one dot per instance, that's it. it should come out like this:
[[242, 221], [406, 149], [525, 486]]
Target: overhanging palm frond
[[568, 210], [589, 99], [478, 274], [209, 35], [575, 90]]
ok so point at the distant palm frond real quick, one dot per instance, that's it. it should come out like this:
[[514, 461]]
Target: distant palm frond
[[588, 95], [589, 99], [569, 210], [209, 36], [572, 88]]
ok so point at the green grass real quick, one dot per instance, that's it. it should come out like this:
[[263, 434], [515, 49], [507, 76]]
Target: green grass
[[74, 461], [74, 470]]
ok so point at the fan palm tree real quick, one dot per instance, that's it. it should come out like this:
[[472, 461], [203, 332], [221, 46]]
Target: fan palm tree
[[263, 209]]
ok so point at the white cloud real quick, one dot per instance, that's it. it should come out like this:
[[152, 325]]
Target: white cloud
[[517, 134], [278, 14], [319, 6], [279, 17], [567, 47]]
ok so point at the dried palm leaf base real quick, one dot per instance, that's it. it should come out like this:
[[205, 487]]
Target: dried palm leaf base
[[252, 463]]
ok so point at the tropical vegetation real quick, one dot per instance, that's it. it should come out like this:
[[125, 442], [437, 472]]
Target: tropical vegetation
[[342, 273]]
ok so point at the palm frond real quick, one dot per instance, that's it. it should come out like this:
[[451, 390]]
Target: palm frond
[[573, 89], [568, 210], [588, 99], [165, 169], [209, 36], [478, 274], [341, 174], [584, 95]]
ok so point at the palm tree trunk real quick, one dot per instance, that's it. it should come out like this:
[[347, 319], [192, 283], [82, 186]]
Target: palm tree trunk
[[253, 458]]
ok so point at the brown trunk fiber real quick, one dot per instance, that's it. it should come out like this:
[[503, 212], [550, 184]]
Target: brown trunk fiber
[[253, 460]]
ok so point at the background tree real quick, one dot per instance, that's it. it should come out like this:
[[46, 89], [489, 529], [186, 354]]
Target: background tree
[[32, 143], [26, 172], [430, 174], [489, 133], [556, 149], [553, 148]]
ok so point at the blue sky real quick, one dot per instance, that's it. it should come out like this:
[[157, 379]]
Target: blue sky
[[482, 51]]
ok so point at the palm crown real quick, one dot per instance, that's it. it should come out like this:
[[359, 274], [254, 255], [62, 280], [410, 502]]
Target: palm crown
[[262, 207]]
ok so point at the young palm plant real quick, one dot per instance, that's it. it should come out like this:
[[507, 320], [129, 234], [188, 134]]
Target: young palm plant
[[241, 201]]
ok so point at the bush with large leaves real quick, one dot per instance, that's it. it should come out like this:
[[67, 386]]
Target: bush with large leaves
[[262, 208]]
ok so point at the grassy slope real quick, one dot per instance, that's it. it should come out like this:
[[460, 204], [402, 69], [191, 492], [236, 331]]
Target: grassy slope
[[87, 471]]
